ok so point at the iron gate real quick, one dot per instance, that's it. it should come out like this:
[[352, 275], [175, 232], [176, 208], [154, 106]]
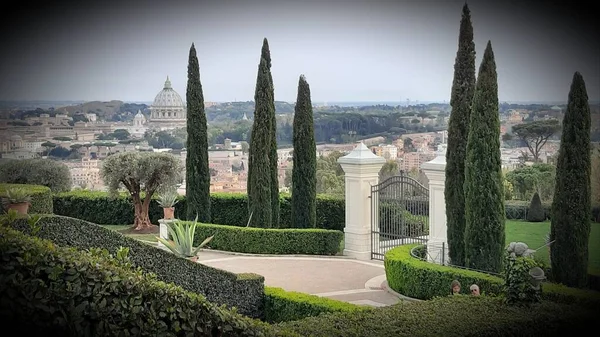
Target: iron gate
[[399, 214]]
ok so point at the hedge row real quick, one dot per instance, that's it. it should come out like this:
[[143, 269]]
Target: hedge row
[[284, 306], [41, 197], [226, 209], [420, 279], [451, 316], [244, 291], [51, 290], [270, 241]]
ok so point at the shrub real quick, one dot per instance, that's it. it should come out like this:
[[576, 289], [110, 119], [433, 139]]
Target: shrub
[[518, 209], [41, 197], [416, 278], [45, 172], [536, 211], [244, 291], [283, 306], [89, 293], [270, 241], [450, 316]]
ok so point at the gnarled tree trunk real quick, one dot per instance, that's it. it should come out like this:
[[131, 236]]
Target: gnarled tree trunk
[[141, 219]]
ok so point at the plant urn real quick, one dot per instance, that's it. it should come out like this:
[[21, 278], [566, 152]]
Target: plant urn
[[194, 258], [21, 207], [169, 213]]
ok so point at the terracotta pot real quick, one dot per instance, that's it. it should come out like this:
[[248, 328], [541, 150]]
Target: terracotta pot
[[169, 213], [21, 207], [194, 258]]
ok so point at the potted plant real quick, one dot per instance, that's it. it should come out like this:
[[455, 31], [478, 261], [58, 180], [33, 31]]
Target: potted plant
[[182, 243], [167, 201], [18, 199]]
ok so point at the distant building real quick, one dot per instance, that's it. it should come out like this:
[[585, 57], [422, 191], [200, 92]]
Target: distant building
[[168, 107]]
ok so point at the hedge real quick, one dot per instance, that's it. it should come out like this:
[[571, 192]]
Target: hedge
[[270, 241], [41, 197], [416, 278], [244, 291], [226, 209], [50, 290], [451, 316], [284, 306]]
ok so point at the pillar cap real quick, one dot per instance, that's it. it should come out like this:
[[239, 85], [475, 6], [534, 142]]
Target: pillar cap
[[361, 155]]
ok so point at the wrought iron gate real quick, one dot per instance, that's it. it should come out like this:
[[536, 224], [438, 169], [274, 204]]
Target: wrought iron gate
[[399, 214]]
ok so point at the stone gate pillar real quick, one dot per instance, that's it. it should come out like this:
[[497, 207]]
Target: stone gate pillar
[[435, 170], [361, 171]]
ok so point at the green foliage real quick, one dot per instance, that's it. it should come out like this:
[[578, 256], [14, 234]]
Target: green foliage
[[49, 173], [304, 174], [284, 306], [168, 198], [269, 240], [18, 195], [536, 134], [57, 290], [244, 291], [536, 211], [518, 287], [455, 316], [269, 99], [463, 87], [527, 180], [330, 175], [197, 170], [41, 197], [570, 222], [416, 278], [484, 191], [182, 238]]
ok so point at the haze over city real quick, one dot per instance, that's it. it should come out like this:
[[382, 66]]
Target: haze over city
[[348, 50]]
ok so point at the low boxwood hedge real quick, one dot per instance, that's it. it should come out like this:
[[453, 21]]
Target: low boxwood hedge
[[416, 278], [451, 316], [50, 290], [226, 209], [244, 291], [283, 306], [270, 241], [41, 197]]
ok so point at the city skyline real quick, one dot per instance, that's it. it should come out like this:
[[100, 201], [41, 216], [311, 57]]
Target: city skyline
[[386, 51]]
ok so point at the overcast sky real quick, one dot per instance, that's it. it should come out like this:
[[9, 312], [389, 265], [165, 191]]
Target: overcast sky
[[349, 50]]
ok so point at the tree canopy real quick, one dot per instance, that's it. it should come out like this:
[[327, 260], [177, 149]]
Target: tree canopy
[[536, 134]]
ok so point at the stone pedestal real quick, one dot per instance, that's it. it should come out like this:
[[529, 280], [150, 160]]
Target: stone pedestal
[[361, 170], [164, 231], [435, 170]]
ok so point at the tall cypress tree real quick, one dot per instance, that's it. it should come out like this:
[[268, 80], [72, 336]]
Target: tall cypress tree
[[571, 208], [304, 171], [484, 191], [463, 87], [259, 163], [266, 54], [197, 181]]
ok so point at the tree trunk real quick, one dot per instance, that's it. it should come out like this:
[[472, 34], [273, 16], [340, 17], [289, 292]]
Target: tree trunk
[[141, 219]]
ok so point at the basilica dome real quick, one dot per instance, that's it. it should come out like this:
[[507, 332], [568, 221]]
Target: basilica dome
[[168, 107], [168, 97]]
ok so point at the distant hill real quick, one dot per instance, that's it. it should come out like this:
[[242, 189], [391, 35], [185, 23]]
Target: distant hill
[[114, 110]]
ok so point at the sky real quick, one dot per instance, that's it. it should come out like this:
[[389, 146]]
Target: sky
[[349, 50]]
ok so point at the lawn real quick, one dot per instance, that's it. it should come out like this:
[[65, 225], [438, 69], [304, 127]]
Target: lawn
[[142, 237], [534, 234]]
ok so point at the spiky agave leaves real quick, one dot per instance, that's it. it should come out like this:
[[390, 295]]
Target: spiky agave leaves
[[183, 238]]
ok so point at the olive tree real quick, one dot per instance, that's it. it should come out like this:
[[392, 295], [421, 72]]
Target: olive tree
[[141, 174]]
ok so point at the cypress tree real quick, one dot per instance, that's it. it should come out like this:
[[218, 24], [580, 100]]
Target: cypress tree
[[463, 87], [571, 208], [304, 171], [536, 211], [484, 190], [197, 180], [259, 163]]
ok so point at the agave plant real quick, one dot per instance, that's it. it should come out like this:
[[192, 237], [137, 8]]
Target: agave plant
[[168, 199], [183, 239], [17, 195]]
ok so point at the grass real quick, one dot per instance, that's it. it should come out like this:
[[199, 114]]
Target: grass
[[141, 237], [534, 234]]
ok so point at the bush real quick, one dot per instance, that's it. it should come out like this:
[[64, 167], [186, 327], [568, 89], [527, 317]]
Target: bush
[[89, 293], [416, 278], [536, 211], [226, 209], [41, 197], [45, 172], [284, 306], [270, 241], [244, 291], [450, 316], [518, 209]]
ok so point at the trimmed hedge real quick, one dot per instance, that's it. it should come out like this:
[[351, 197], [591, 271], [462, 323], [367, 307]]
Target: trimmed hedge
[[270, 241], [244, 291], [51, 290], [41, 197], [284, 306], [226, 209], [451, 316], [416, 278]]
